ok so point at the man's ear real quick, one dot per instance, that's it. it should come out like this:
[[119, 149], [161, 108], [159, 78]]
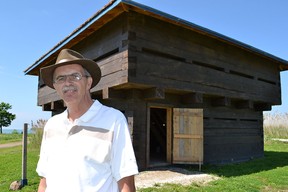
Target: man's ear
[[89, 82], [54, 86]]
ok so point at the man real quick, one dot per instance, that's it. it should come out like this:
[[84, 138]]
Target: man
[[87, 148]]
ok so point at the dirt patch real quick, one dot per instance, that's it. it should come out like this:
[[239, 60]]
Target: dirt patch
[[174, 175]]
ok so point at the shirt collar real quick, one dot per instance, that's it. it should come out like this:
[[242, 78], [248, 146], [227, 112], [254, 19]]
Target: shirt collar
[[90, 113]]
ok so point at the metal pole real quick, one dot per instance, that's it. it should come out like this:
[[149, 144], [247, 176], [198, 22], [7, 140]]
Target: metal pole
[[24, 180]]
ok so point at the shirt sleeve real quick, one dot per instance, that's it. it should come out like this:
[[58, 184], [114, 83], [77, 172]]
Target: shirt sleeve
[[123, 161], [42, 162]]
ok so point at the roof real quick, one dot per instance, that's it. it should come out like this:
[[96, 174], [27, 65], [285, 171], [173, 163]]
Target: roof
[[115, 8]]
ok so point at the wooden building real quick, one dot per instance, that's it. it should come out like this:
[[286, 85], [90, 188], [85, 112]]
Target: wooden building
[[190, 95]]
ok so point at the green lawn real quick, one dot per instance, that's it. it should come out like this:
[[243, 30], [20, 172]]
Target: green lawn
[[5, 138], [11, 166], [269, 174], [266, 174]]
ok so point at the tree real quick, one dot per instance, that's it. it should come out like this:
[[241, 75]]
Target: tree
[[5, 117]]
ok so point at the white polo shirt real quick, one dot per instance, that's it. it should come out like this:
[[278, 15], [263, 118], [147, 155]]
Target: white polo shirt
[[89, 155]]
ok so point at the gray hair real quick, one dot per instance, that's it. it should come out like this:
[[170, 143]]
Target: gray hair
[[86, 72]]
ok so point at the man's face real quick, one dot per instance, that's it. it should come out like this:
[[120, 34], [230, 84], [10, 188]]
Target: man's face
[[71, 83]]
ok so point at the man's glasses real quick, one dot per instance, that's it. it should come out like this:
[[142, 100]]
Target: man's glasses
[[72, 77]]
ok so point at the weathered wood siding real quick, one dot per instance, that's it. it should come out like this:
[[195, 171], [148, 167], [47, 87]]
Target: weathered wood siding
[[144, 60], [232, 135], [135, 109], [106, 47], [179, 59]]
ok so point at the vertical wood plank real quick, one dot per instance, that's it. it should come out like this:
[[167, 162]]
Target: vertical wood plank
[[188, 136]]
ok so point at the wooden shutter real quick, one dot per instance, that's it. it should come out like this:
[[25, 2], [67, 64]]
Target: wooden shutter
[[187, 136]]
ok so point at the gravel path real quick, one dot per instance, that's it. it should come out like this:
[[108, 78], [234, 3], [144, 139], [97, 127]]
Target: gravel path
[[282, 140], [175, 175], [13, 144]]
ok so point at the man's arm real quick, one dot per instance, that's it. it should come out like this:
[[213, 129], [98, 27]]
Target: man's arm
[[42, 185], [126, 184]]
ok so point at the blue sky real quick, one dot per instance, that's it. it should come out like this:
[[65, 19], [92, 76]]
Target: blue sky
[[31, 28]]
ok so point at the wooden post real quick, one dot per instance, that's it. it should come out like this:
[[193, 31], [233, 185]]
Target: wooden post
[[24, 180]]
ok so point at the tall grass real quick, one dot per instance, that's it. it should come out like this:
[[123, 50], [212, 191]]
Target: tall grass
[[36, 137], [276, 125]]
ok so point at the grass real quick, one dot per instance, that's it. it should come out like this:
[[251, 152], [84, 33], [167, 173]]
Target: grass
[[11, 161], [265, 174], [6, 138], [11, 166]]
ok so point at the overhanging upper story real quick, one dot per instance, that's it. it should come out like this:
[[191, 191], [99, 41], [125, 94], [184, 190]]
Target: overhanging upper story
[[138, 47]]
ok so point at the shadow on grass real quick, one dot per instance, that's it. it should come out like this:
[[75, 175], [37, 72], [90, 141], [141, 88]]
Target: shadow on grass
[[271, 160]]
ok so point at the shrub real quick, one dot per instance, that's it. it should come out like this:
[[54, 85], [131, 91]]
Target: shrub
[[15, 132]]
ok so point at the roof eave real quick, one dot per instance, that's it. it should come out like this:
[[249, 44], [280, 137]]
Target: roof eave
[[73, 35], [126, 5]]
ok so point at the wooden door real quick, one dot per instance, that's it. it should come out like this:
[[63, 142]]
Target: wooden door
[[187, 136]]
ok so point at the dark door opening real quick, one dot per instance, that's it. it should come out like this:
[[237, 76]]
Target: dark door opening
[[158, 136]]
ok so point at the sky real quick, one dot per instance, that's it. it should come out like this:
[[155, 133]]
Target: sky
[[30, 28]]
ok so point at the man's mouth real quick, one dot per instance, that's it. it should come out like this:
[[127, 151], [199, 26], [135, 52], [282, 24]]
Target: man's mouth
[[69, 89]]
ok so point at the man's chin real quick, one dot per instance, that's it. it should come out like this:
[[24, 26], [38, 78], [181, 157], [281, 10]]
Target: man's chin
[[69, 98]]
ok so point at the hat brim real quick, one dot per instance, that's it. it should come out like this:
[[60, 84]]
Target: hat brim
[[91, 66]]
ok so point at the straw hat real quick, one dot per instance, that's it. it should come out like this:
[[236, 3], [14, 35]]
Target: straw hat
[[68, 57]]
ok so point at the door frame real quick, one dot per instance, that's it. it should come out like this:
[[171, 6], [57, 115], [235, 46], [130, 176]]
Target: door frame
[[169, 133]]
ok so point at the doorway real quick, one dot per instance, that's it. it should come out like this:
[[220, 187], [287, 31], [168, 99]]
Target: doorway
[[158, 137]]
